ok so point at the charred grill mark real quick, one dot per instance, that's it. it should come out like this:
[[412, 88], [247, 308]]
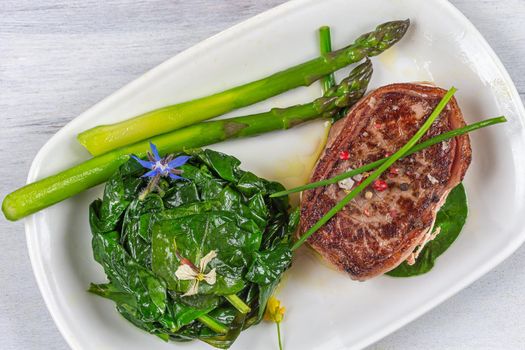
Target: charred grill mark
[[388, 231]]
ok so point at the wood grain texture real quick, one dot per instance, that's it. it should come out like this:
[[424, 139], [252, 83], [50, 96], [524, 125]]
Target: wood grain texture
[[57, 58]]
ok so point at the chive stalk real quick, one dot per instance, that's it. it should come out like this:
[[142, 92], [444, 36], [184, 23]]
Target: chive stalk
[[391, 160], [430, 142]]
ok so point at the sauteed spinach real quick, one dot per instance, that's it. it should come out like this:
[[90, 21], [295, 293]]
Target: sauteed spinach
[[219, 221]]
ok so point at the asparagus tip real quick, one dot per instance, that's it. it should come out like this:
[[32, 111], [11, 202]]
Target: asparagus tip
[[384, 36]]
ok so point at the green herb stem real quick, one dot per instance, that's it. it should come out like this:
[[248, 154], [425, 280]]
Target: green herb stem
[[212, 324], [420, 146], [391, 160], [238, 303], [279, 335], [325, 46]]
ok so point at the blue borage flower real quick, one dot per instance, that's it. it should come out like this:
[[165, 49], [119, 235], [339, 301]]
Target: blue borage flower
[[162, 166]]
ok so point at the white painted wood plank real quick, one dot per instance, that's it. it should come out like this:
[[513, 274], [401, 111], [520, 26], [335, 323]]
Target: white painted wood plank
[[57, 58]]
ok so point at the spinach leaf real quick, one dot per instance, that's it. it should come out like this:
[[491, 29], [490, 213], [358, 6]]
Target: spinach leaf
[[450, 219], [233, 238], [184, 314], [181, 193], [126, 274], [136, 227], [223, 165], [280, 228], [269, 265], [249, 184], [265, 292], [131, 315], [230, 317], [119, 191], [111, 291]]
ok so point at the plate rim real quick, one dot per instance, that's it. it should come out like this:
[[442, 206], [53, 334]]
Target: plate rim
[[30, 223]]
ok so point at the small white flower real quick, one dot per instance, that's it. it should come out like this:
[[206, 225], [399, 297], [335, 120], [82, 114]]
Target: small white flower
[[189, 272]]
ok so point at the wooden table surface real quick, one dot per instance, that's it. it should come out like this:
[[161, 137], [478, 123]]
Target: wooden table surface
[[57, 58]]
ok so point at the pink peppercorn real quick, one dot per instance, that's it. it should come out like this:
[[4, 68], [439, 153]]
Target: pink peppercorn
[[344, 155], [380, 185]]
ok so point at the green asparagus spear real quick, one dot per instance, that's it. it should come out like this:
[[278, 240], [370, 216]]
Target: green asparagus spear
[[104, 138], [48, 191], [325, 46], [371, 166]]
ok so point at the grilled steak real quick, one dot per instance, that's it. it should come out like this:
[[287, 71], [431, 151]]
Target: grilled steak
[[382, 226]]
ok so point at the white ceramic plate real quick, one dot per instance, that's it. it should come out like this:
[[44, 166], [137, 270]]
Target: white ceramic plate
[[325, 309]]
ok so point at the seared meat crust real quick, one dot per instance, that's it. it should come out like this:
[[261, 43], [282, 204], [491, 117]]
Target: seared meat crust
[[371, 236]]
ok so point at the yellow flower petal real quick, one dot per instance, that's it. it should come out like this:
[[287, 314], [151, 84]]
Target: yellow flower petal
[[274, 312]]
